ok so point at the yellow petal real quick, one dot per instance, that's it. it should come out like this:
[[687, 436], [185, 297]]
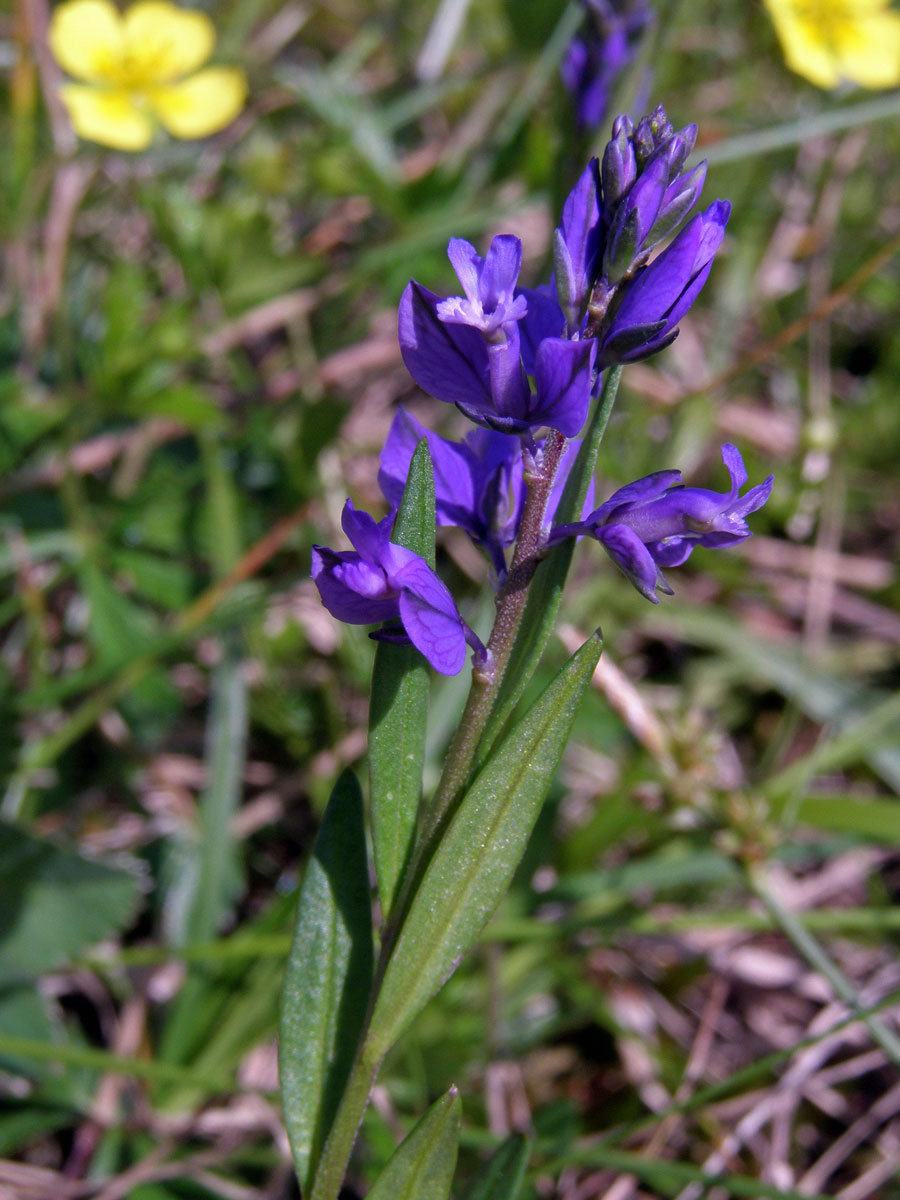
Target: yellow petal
[[807, 52], [203, 104], [164, 42], [869, 51], [88, 39], [108, 116]]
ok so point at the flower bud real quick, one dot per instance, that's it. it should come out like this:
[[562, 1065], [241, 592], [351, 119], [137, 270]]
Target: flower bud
[[619, 169], [633, 221]]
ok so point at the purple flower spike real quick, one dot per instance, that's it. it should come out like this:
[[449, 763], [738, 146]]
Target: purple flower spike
[[652, 305], [380, 581], [655, 522]]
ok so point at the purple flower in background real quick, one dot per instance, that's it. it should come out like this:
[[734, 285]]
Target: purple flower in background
[[597, 56], [656, 522], [478, 483], [380, 581], [467, 350], [654, 302]]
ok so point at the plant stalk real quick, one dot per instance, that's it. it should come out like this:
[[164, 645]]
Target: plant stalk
[[332, 1165], [510, 607]]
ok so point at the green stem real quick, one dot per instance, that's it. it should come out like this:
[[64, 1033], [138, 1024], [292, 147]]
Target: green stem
[[546, 592], [332, 1165], [510, 607], [338, 1147]]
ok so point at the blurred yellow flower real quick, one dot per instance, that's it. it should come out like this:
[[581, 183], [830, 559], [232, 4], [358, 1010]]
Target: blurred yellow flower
[[140, 67], [833, 41]]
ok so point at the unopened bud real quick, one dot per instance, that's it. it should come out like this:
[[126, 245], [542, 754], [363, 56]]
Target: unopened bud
[[619, 169]]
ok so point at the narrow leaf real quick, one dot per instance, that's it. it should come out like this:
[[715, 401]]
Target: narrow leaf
[[502, 1175], [477, 856], [399, 703], [422, 1166], [328, 977]]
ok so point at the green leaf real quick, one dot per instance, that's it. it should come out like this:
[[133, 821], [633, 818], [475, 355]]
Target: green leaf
[[328, 977], [117, 626], [502, 1175], [54, 903], [878, 819], [422, 1166], [218, 872], [477, 856], [399, 705]]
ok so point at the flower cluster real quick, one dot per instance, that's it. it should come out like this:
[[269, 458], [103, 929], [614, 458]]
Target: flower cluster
[[517, 360], [597, 56], [139, 68], [608, 302]]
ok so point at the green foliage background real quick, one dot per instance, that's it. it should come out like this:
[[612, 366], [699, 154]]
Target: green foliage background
[[197, 363]]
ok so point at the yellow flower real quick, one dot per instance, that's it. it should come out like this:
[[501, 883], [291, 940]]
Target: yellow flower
[[832, 41], [140, 67]]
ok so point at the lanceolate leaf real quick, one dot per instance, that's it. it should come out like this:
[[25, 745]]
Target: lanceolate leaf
[[476, 858], [399, 703], [502, 1175], [422, 1167], [415, 523], [328, 977]]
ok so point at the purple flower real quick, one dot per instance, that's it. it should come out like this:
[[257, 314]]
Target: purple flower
[[578, 244], [634, 220], [380, 581], [646, 318], [617, 214], [489, 284], [478, 483], [656, 522], [468, 350], [597, 57]]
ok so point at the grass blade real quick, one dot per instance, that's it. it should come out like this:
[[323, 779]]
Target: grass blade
[[502, 1175]]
